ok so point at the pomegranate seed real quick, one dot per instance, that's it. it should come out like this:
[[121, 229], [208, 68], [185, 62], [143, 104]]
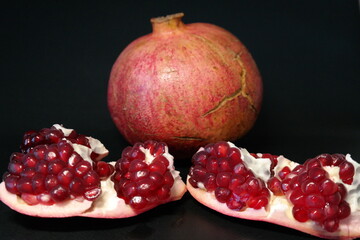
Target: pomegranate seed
[[300, 214], [168, 179], [42, 167], [130, 189], [29, 160], [104, 170], [15, 167], [45, 199], [221, 149], [222, 194], [30, 199], [240, 169], [138, 202], [316, 214], [65, 151], [137, 165], [328, 187], [284, 172], [342, 190], [65, 176], [337, 159], [198, 173], [234, 156], [210, 182], [317, 174], [92, 194], [274, 184], [51, 154], [223, 179], [225, 165], [38, 183], [254, 185], [331, 225], [138, 175], [236, 181], [157, 178], [314, 201], [331, 210], [11, 183], [344, 210], [136, 153], [258, 202], [76, 187], [91, 179], [59, 193], [163, 192], [144, 187], [347, 172], [16, 156], [54, 135], [82, 168], [309, 187], [82, 140], [157, 167], [199, 159], [51, 181], [39, 151], [234, 203], [212, 165], [297, 198], [56, 166], [162, 159], [325, 159], [159, 150], [74, 159], [24, 185], [334, 198]]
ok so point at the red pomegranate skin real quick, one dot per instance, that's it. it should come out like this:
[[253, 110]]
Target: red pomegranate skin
[[186, 85]]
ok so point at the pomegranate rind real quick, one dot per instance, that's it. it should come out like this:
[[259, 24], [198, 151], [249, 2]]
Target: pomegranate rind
[[59, 210]]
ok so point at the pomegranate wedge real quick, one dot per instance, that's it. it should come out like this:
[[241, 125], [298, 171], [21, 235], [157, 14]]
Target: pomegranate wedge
[[59, 173], [320, 197]]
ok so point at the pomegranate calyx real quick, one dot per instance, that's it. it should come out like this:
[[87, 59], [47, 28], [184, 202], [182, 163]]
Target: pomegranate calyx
[[166, 24]]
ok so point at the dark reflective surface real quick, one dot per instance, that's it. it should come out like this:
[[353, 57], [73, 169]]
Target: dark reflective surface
[[55, 62]]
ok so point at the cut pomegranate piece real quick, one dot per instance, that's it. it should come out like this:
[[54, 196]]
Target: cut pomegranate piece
[[144, 178], [59, 174], [320, 197]]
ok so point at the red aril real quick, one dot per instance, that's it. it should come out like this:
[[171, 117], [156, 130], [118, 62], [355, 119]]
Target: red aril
[[319, 197], [184, 84]]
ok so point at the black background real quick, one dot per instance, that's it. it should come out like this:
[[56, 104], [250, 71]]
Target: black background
[[55, 61]]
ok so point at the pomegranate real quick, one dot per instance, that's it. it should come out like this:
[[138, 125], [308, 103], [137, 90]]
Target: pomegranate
[[320, 197], [59, 173], [186, 85]]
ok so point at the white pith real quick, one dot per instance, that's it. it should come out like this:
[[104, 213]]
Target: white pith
[[279, 209], [95, 145]]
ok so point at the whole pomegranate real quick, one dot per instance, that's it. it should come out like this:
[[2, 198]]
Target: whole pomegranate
[[186, 85]]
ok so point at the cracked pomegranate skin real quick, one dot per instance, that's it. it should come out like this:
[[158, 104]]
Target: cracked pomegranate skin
[[186, 85]]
